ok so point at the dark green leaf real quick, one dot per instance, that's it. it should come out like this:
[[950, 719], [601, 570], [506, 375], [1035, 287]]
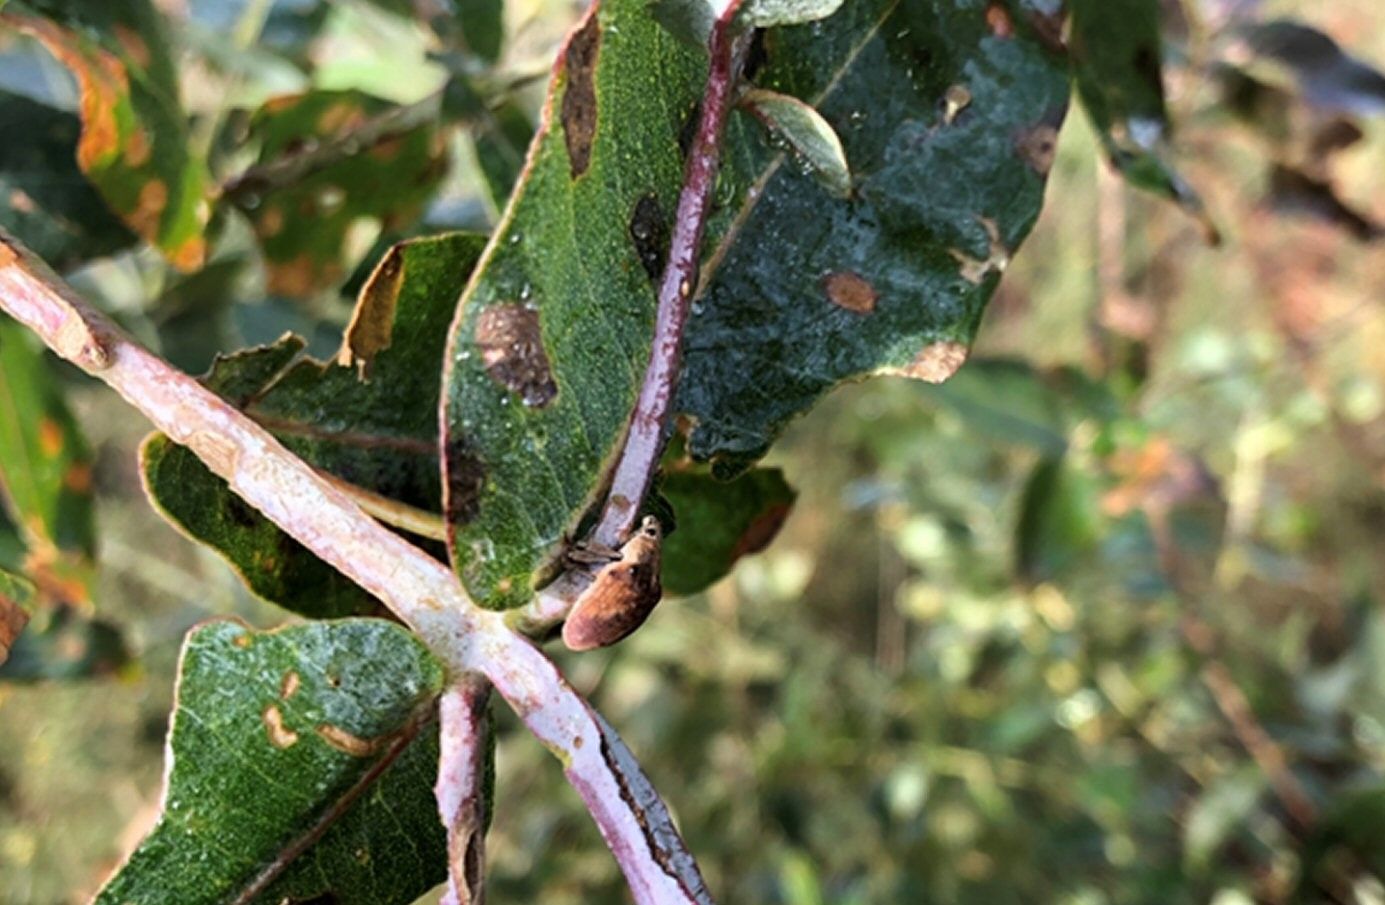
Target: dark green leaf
[[801, 291], [377, 433], [719, 522], [483, 27], [302, 767], [303, 218], [1117, 64], [134, 145], [49, 205]]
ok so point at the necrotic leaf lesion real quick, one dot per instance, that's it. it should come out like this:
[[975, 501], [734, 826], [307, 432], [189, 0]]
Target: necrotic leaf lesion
[[579, 100]]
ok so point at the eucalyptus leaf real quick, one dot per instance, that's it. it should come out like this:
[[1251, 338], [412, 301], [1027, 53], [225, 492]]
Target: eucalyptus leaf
[[719, 522]]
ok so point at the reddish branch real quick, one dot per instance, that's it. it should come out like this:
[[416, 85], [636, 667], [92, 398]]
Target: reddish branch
[[645, 441]]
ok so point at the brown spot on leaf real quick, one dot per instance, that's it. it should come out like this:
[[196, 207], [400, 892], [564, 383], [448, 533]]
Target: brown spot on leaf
[[77, 478], [149, 208], [102, 82], [999, 22], [280, 736], [579, 100], [761, 530], [372, 322], [388, 149], [243, 641], [271, 222], [21, 202], [137, 149], [338, 117], [132, 42], [466, 476], [850, 291], [189, 255], [1038, 146], [299, 276], [350, 744], [511, 346], [649, 232], [50, 438], [289, 686], [975, 270], [935, 363]]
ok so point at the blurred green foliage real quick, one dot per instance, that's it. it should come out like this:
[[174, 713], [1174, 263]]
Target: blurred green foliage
[[1097, 621]]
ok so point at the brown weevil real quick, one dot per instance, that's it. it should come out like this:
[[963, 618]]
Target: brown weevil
[[623, 593]]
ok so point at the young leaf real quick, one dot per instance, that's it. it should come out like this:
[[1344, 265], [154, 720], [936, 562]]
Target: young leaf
[[379, 434], [810, 136], [1117, 57], [50, 205], [719, 522], [302, 764], [799, 291], [134, 146], [302, 219]]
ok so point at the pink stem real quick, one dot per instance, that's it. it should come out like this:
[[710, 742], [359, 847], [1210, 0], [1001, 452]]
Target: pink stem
[[645, 441], [460, 790], [633, 820]]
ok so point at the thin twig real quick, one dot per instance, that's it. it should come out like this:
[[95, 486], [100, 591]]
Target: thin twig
[[644, 441], [421, 591], [461, 788]]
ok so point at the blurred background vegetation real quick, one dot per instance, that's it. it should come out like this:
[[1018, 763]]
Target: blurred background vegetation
[[1101, 620]]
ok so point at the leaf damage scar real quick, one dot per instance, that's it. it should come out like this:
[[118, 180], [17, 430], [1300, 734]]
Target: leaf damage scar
[[511, 346], [579, 100]]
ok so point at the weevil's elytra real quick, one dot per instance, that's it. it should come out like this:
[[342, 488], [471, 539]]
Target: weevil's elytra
[[622, 595]]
